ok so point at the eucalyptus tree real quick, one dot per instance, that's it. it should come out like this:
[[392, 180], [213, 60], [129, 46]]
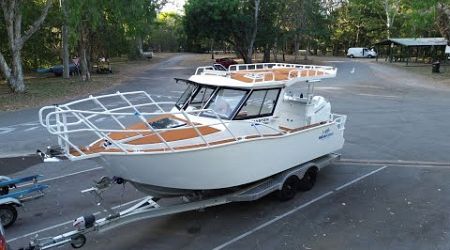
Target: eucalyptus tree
[[12, 14]]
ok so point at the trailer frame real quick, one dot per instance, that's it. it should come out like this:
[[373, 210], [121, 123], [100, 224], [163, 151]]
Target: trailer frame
[[148, 207]]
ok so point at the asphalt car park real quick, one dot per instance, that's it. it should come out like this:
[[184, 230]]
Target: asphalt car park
[[389, 191]]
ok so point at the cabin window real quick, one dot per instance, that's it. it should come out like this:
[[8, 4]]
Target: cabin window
[[202, 96], [185, 96], [225, 102], [260, 103]]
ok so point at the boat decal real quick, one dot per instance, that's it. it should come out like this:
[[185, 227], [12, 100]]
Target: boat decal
[[262, 120], [325, 134]]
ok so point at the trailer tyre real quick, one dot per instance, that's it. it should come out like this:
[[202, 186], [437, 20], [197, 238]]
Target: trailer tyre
[[289, 189], [78, 241], [308, 180], [8, 215]]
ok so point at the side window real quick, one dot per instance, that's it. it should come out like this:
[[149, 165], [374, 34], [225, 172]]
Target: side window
[[260, 103], [269, 102], [253, 104]]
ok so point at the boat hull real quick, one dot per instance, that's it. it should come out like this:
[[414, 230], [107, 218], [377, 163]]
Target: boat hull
[[224, 166]]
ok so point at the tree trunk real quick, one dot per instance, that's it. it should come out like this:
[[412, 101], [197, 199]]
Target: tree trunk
[[266, 57], [85, 75], [253, 35], [296, 48], [212, 49], [16, 80], [65, 42], [275, 50], [306, 50], [65, 47], [13, 25]]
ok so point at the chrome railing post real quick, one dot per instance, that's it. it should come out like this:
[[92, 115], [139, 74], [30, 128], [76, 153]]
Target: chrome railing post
[[194, 127]]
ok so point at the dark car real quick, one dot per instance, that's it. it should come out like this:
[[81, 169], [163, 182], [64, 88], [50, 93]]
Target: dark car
[[58, 69], [226, 62]]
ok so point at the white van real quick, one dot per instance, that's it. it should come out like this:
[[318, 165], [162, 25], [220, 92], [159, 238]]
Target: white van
[[361, 52]]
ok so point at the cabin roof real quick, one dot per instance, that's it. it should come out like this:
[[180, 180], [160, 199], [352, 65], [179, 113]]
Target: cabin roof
[[262, 75], [430, 41]]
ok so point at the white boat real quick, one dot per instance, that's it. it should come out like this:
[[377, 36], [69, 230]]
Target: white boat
[[228, 129]]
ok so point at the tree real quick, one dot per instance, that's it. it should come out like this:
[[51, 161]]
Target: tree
[[96, 24], [167, 32], [232, 21], [443, 19], [12, 13], [391, 10]]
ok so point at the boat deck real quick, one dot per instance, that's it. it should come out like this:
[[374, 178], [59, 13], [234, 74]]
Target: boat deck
[[273, 74], [188, 136]]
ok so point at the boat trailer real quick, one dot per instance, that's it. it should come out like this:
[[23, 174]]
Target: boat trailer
[[148, 207], [16, 191]]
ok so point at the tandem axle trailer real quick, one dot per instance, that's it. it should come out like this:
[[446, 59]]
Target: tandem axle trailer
[[285, 184]]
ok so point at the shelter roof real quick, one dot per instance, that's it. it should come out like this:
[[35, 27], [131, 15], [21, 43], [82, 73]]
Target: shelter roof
[[430, 41]]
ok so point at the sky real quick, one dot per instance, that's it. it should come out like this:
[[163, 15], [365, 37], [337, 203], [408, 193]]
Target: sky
[[174, 5]]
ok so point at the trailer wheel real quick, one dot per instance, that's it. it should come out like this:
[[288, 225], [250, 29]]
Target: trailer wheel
[[289, 188], [78, 241], [8, 215], [308, 180]]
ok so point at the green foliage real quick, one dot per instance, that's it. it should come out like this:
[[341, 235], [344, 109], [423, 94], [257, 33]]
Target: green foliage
[[167, 34], [112, 25]]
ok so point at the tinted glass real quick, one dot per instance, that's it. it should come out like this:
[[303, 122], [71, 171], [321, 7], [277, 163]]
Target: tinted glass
[[185, 96], [269, 102], [260, 103], [201, 97], [253, 105], [225, 102]]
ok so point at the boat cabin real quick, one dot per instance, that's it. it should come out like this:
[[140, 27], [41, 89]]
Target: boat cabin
[[228, 102], [258, 92]]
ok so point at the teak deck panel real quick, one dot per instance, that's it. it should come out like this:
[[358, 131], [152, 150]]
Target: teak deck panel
[[174, 135], [280, 74]]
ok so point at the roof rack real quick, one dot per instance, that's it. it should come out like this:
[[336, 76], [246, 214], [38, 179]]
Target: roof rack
[[271, 72]]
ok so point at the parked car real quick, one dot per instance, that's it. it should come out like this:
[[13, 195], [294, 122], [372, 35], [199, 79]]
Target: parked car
[[226, 62], [57, 70], [361, 52]]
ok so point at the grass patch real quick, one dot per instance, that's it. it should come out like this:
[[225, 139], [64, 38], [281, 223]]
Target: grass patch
[[48, 89]]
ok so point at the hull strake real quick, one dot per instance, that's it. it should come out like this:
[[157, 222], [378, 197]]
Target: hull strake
[[226, 165]]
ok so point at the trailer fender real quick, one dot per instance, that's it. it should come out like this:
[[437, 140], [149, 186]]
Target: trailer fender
[[10, 200]]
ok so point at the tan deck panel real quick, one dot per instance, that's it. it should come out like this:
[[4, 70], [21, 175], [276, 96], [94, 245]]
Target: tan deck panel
[[173, 135], [138, 126], [279, 73]]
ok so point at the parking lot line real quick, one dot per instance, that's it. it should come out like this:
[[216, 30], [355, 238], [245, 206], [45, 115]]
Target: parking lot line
[[279, 217], [391, 163]]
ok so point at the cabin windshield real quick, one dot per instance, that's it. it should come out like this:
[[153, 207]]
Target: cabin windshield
[[223, 101], [195, 96], [188, 92]]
